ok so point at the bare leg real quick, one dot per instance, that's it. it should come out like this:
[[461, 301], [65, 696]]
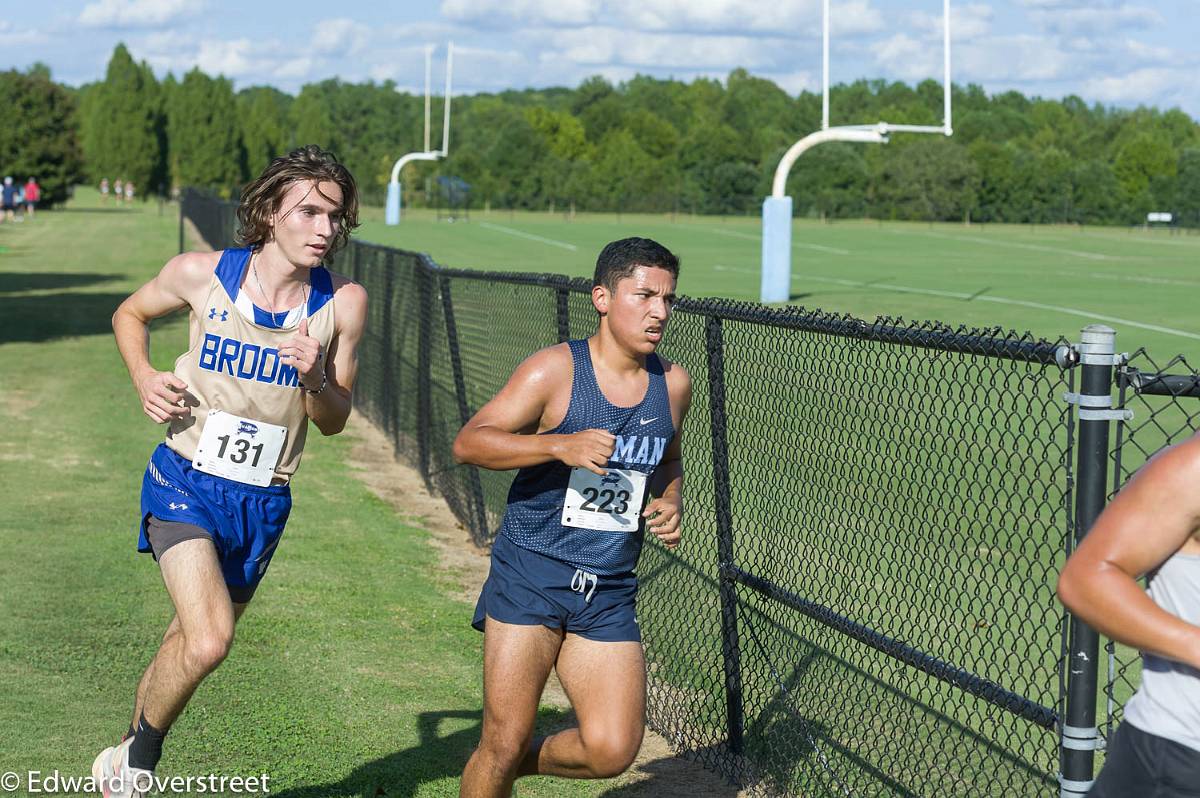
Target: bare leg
[[198, 637], [516, 663], [167, 651], [606, 683]]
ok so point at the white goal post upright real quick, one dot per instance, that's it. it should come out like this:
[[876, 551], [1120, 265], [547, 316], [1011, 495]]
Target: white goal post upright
[[777, 208], [392, 210]]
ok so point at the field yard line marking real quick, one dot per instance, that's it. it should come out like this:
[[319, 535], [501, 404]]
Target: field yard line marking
[[1127, 278], [748, 237], [997, 299], [1034, 247], [1090, 315], [502, 229], [1145, 240]]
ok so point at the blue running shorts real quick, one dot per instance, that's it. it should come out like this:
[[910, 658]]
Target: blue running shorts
[[245, 522], [528, 589]]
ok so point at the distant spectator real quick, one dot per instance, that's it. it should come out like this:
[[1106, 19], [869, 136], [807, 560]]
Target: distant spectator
[[104, 190], [119, 190], [129, 191], [8, 198], [33, 193]]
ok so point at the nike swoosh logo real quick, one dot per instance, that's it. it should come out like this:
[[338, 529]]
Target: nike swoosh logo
[[644, 421]]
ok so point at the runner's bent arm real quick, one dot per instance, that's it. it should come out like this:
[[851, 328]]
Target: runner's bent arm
[[1155, 514], [181, 283], [664, 513], [502, 435], [330, 407]]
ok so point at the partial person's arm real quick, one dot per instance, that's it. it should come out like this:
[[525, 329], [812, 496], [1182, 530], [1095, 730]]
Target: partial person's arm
[[1152, 517], [664, 513], [503, 434], [329, 408], [180, 284]]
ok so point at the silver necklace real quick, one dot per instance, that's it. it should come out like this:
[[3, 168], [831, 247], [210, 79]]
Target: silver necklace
[[303, 294]]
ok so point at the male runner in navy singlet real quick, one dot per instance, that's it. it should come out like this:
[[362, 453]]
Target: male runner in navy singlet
[[267, 355], [593, 425]]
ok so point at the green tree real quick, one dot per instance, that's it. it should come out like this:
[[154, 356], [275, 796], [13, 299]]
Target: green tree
[[205, 135], [931, 179], [1187, 198], [122, 124], [1143, 163], [42, 128], [263, 112]]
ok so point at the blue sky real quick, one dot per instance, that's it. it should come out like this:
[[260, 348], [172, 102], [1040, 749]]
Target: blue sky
[[1118, 52]]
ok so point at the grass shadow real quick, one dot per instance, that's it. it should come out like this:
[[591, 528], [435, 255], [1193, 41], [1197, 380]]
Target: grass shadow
[[16, 282], [45, 317]]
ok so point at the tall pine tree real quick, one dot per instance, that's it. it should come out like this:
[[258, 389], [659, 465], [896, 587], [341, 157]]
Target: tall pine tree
[[206, 138], [122, 124]]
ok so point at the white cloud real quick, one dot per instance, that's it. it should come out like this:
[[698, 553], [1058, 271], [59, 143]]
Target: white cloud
[[781, 17], [340, 37], [716, 15], [1019, 58], [12, 35], [967, 22], [1141, 86], [136, 13], [600, 46], [499, 13], [1088, 20]]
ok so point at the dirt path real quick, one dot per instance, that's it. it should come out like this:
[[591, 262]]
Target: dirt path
[[657, 772]]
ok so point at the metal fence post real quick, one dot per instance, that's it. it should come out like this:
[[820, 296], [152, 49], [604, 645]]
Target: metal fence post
[[424, 376], [464, 408], [730, 649], [1080, 737], [564, 313]]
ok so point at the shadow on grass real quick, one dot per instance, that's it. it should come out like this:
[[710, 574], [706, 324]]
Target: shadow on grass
[[92, 210], [437, 757], [33, 319], [15, 282]]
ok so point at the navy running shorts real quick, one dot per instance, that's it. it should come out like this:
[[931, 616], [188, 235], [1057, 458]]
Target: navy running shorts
[[245, 522], [1142, 764], [529, 589]]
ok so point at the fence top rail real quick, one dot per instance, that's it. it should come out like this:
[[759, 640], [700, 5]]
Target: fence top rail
[[993, 342], [1153, 384]]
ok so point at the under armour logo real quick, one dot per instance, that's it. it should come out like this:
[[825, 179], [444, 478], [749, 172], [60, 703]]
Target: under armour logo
[[212, 314], [175, 506]]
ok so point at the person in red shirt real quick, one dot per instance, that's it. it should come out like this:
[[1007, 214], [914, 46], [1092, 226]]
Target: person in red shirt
[[33, 193]]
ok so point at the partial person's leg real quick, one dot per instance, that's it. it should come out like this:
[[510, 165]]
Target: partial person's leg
[[606, 682], [168, 651], [205, 617], [516, 663]]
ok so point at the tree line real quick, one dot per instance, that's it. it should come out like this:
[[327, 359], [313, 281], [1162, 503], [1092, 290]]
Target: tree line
[[647, 144]]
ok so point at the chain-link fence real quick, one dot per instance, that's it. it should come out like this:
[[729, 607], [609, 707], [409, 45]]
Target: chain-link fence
[[876, 517]]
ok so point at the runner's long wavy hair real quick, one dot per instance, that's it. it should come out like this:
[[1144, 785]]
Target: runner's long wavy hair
[[262, 198]]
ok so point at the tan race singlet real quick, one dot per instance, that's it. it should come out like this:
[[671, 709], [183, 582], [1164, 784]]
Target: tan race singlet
[[233, 363]]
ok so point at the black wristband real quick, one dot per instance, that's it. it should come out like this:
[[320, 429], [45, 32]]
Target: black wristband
[[310, 391]]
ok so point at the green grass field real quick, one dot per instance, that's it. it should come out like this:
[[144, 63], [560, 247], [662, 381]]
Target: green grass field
[[1048, 280], [354, 672]]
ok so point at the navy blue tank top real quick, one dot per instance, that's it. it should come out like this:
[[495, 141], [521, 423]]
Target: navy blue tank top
[[533, 519]]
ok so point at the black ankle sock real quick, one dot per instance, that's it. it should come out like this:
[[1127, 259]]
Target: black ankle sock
[[146, 748]]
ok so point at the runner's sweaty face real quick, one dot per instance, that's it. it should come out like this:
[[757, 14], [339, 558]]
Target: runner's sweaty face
[[308, 219], [639, 307]]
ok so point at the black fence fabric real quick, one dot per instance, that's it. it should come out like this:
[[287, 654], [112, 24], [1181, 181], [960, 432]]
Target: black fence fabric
[[876, 514]]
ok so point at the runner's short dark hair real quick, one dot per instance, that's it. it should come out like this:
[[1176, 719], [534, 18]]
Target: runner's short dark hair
[[618, 260]]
